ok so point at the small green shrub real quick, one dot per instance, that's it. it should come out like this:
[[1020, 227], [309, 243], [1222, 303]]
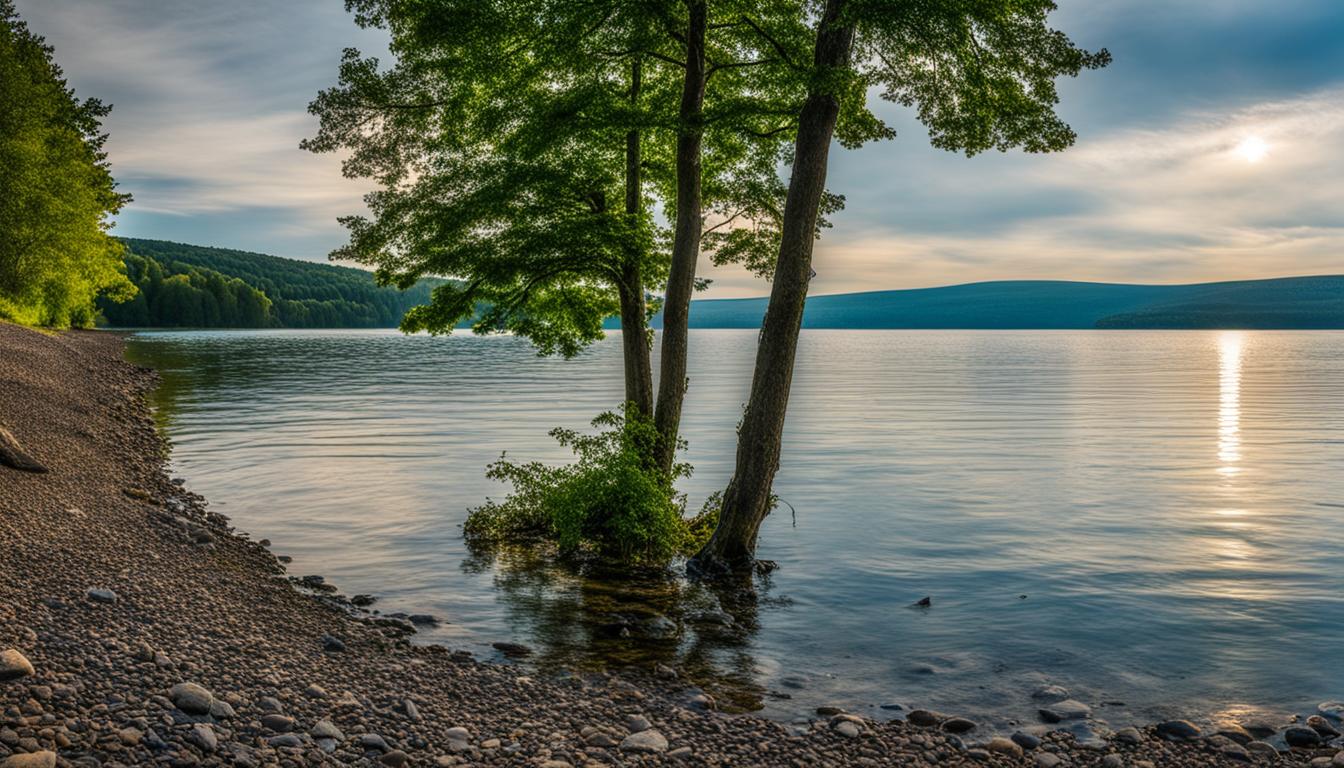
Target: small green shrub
[[613, 502]]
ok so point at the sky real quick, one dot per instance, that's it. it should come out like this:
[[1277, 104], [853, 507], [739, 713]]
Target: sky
[[1211, 149]]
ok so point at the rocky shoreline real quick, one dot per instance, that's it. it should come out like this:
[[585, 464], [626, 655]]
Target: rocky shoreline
[[137, 628]]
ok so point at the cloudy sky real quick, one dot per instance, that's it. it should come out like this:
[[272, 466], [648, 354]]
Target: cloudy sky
[[1212, 149]]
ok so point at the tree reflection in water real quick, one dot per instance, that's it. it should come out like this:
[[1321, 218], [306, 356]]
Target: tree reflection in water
[[583, 617]]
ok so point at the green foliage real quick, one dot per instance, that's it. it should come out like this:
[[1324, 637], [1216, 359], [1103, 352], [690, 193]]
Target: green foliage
[[190, 286], [612, 503], [57, 190]]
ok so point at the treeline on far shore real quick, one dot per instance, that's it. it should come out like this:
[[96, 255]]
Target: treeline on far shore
[[188, 286]]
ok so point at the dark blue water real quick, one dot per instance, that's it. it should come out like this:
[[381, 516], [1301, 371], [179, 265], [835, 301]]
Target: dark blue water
[[1151, 519]]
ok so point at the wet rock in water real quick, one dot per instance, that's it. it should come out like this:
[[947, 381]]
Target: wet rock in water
[[664, 672], [1178, 730], [13, 665], [1004, 746], [958, 725], [1261, 728], [649, 741], [1026, 740], [923, 602], [191, 698], [702, 701], [97, 595], [1088, 734], [317, 584], [1050, 693], [42, 759], [277, 723], [637, 723], [1068, 709], [1322, 726], [332, 643], [512, 650], [830, 711], [891, 707], [423, 620], [1301, 736], [1234, 732], [1262, 748], [1332, 709], [363, 601], [1131, 736], [923, 718]]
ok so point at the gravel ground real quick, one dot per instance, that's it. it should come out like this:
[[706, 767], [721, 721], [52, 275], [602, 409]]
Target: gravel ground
[[137, 628]]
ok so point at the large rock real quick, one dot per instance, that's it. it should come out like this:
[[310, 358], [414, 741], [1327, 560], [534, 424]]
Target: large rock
[[1068, 709], [1178, 730], [13, 665], [191, 698], [1301, 736], [649, 741]]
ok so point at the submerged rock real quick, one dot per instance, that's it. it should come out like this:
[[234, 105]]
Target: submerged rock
[[1178, 730], [512, 650], [1068, 709]]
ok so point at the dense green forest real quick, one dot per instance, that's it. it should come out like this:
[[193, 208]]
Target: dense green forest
[[57, 194], [190, 286]]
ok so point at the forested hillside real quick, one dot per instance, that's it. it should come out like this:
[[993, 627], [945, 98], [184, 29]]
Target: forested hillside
[[190, 286]]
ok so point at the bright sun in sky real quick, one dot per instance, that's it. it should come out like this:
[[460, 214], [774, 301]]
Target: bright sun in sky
[[1253, 149]]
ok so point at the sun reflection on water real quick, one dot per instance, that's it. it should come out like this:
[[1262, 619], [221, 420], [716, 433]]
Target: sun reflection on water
[[1229, 402]]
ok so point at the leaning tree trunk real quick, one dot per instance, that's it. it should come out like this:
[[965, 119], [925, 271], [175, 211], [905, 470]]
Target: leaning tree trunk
[[685, 241], [634, 321], [747, 500]]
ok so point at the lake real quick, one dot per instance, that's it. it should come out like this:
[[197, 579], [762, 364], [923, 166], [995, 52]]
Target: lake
[[1150, 519]]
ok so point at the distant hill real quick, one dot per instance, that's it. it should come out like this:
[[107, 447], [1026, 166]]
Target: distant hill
[[191, 286], [1290, 302]]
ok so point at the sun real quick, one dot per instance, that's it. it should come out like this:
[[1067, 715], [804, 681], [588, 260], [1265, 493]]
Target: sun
[[1252, 149]]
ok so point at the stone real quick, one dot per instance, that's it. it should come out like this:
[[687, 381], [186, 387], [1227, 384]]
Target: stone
[[42, 759], [512, 650], [412, 711], [1130, 736], [130, 736], [978, 754], [847, 728], [599, 739], [315, 691], [923, 718], [13, 665], [1004, 746], [221, 710], [270, 705], [423, 620], [1088, 734], [1331, 709], [491, 744], [1234, 732], [396, 758], [649, 741], [372, 741], [1066, 709], [1322, 726], [1050, 693], [1026, 740], [332, 644], [204, 737], [664, 672], [680, 753], [1047, 760], [958, 725], [325, 729], [828, 711], [1262, 748], [1261, 727], [277, 723], [1338, 760], [1112, 761], [637, 723], [105, 596], [191, 698], [1178, 730], [1301, 736], [285, 740]]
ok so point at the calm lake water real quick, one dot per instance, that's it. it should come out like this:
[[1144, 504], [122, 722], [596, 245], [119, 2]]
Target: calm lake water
[[1151, 519]]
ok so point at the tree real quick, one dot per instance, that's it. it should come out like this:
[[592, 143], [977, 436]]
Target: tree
[[56, 190], [504, 133], [980, 74]]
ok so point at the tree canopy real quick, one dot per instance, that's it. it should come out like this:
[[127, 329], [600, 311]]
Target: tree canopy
[[57, 193]]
